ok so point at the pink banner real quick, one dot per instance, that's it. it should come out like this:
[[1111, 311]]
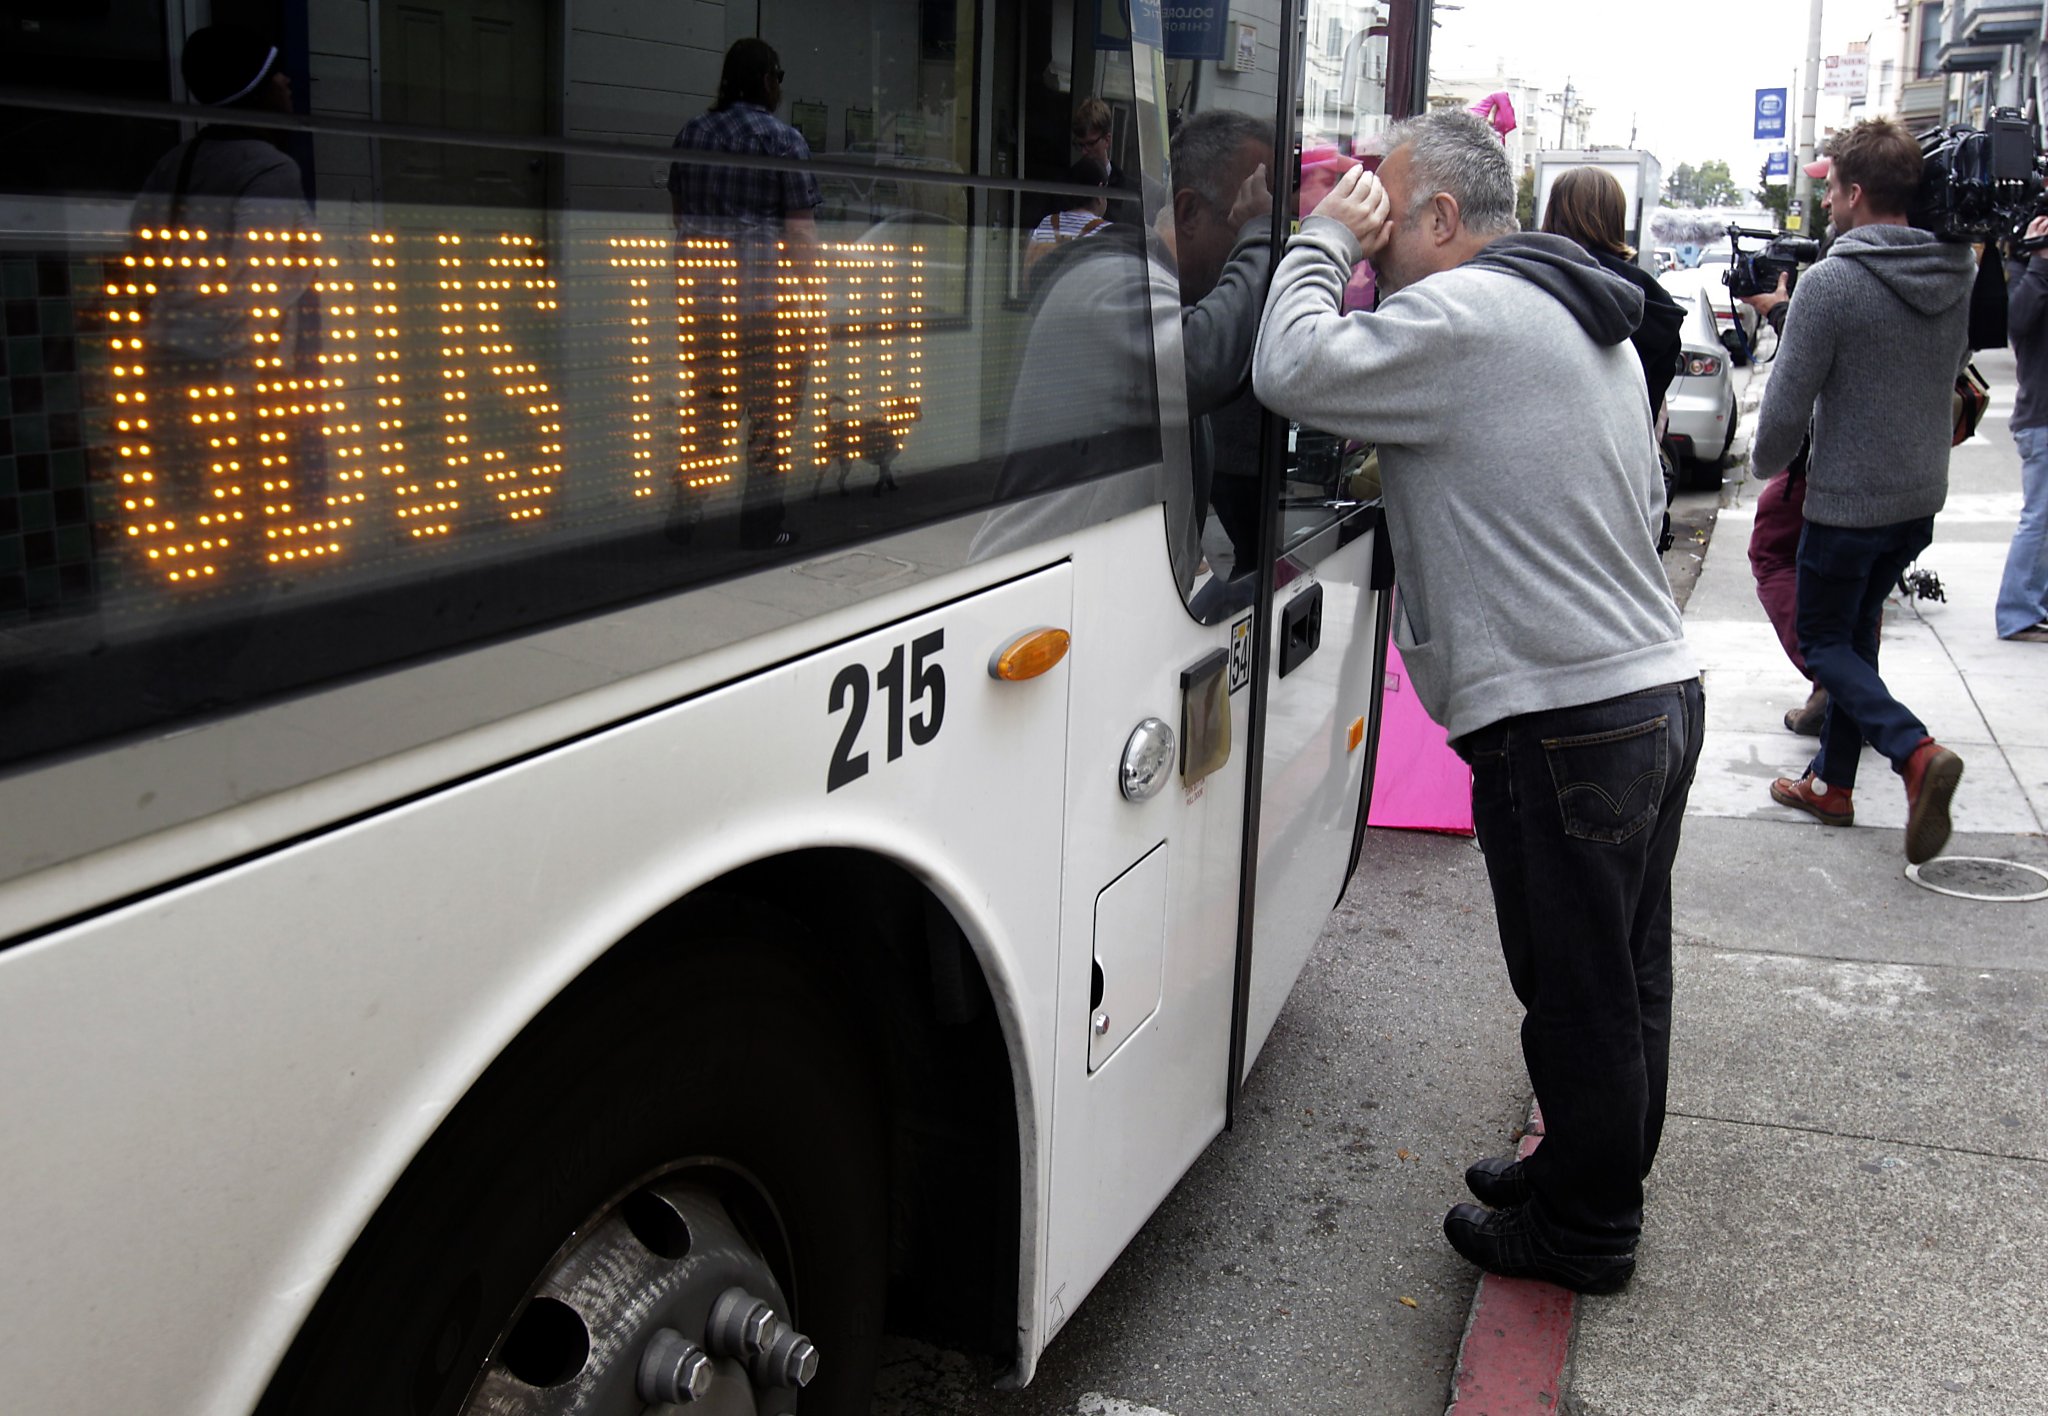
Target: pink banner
[[1419, 784]]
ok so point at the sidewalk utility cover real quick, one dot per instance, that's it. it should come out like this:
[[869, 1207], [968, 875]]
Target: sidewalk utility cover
[[1981, 878]]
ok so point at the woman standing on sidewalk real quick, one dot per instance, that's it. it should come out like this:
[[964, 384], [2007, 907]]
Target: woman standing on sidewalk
[[1587, 206]]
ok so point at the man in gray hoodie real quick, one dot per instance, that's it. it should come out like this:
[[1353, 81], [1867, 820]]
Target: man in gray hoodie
[[1523, 497], [1874, 338]]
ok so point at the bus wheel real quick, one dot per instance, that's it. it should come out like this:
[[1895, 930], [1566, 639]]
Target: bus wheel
[[671, 1189]]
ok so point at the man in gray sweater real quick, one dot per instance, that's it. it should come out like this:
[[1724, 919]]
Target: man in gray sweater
[[1523, 497], [1874, 338]]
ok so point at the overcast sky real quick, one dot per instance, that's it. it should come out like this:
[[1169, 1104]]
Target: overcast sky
[[1684, 74]]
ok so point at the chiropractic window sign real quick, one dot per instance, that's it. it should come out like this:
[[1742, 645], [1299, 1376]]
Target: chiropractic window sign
[[1185, 29]]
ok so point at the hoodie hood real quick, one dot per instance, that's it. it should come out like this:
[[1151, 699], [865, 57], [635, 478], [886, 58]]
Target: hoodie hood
[[1929, 274], [1606, 306]]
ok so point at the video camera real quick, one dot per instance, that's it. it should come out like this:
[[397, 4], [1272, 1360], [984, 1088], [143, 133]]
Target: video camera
[[1756, 272], [1981, 185]]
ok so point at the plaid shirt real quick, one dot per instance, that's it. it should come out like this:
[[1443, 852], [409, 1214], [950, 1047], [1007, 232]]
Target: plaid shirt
[[719, 200]]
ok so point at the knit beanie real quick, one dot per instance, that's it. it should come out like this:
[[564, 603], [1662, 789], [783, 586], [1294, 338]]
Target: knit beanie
[[224, 64]]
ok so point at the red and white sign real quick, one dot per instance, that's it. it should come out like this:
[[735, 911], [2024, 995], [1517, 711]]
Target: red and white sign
[[1845, 74]]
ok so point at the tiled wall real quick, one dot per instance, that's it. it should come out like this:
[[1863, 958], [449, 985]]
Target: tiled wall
[[45, 503]]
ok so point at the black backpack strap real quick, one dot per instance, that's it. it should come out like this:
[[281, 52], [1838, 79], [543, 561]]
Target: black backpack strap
[[184, 179]]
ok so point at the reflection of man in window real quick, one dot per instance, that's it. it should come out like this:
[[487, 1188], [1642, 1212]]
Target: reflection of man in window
[[763, 221], [1077, 218], [1086, 396], [1094, 131]]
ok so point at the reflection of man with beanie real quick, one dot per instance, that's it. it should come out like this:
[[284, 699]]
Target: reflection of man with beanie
[[226, 179]]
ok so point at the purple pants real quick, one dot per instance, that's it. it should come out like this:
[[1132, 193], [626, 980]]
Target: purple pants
[[1774, 559]]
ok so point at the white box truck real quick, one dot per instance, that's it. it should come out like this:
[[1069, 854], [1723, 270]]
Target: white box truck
[[1642, 183]]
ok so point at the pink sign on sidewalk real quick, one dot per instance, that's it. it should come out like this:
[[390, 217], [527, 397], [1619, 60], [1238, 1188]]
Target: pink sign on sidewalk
[[1418, 783]]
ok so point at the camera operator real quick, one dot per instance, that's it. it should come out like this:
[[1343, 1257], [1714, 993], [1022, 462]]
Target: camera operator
[[2022, 611], [1874, 338]]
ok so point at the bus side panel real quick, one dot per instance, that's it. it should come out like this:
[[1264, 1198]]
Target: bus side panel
[[1128, 1126], [209, 1091]]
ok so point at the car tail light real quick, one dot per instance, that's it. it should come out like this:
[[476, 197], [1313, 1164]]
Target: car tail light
[[1702, 365]]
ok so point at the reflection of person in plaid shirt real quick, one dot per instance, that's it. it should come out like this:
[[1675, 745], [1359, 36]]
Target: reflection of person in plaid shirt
[[769, 219]]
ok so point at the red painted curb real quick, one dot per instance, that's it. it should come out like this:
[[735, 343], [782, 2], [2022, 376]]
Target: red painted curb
[[1517, 1341]]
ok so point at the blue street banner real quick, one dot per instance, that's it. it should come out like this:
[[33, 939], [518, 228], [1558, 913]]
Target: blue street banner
[[1778, 164], [1770, 114]]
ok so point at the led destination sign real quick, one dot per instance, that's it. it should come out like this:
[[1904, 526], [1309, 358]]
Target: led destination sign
[[283, 398]]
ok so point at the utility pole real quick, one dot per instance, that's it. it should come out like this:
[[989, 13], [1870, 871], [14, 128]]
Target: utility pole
[[1809, 104]]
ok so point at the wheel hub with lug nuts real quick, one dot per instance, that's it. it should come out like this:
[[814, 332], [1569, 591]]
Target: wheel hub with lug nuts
[[662, 1301]]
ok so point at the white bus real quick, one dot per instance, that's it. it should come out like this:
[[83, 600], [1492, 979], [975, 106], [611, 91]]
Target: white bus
[[582, 825]]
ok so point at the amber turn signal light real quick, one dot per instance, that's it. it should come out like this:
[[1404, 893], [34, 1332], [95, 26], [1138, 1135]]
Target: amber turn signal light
[[1029, 655]]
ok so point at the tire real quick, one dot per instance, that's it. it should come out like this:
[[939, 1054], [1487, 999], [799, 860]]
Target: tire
[[1734, 422], [1698, 475], [721, 1047]]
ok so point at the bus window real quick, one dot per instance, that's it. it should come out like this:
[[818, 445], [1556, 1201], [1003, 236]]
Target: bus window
[[644, 297], [1357, 81], [1213, 228]]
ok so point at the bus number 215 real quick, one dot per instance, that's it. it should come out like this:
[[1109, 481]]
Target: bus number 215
[[925, 685]]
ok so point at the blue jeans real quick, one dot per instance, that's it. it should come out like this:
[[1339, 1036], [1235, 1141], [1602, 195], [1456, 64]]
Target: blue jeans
[[1578, 812], [1845, 572], [2023, 593]]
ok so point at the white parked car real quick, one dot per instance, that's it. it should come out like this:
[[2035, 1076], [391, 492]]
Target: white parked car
[[1710, 277], [1699, 424]]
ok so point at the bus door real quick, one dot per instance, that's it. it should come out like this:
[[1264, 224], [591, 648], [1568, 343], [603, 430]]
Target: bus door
[[1324, 614]]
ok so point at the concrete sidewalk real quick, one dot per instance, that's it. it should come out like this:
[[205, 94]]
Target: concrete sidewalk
[[1850, 1211]]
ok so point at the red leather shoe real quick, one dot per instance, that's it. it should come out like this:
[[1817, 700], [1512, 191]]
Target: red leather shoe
[[1931, 776], [1830, 806]]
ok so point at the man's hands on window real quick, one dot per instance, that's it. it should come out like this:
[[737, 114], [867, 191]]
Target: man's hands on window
[[1360, 201], [1254, 198]]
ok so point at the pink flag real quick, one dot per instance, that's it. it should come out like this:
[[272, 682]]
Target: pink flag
[[1499, 110]]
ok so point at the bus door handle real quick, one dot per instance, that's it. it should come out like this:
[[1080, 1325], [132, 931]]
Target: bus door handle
[[1301, 628]]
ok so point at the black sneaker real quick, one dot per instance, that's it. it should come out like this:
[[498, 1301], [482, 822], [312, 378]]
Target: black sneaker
[[1498, 1180], [1506, 1242]]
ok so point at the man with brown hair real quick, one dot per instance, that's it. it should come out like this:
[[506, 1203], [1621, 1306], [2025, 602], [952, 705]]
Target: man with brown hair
[[1094, 131], [1873, 341]]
